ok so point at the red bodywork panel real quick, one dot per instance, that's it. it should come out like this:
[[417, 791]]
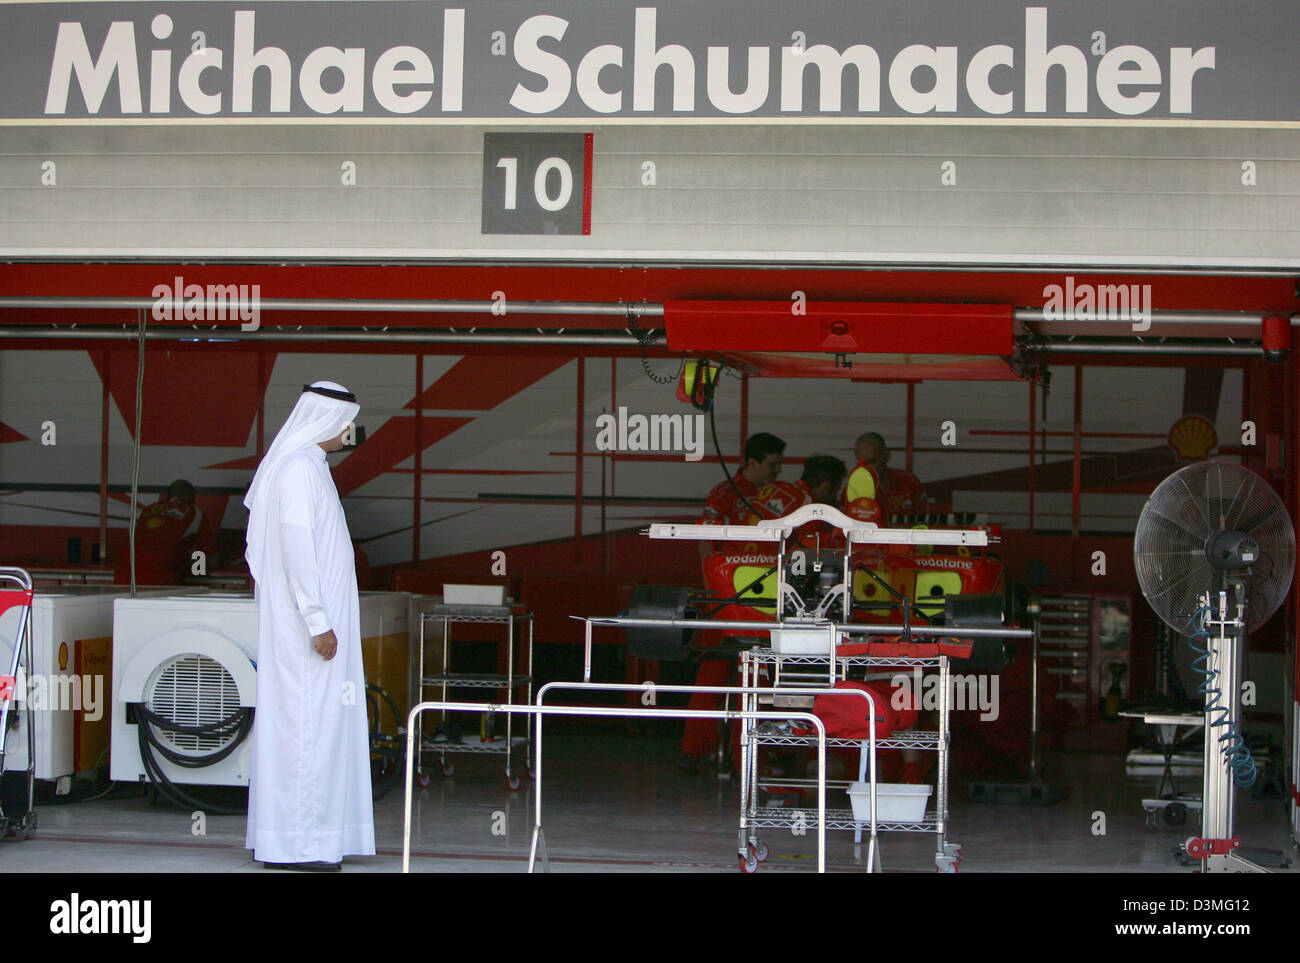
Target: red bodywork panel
[[916, 573]]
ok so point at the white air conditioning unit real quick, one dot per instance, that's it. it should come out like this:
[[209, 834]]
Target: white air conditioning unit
[[192, 661], [71, 686]]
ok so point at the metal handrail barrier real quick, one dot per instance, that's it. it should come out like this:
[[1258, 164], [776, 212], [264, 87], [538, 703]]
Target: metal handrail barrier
[[624, 713], [744, 770]]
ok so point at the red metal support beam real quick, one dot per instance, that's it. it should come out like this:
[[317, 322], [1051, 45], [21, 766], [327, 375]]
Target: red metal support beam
[[911, 423], [1033, 447], [578, 425], [1293, 474], [1076, 486], [104, 403], [607, 553], [418, 428], [744, 416]]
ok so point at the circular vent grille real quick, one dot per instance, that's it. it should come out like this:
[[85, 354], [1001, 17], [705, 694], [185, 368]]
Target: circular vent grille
[[193, 690]]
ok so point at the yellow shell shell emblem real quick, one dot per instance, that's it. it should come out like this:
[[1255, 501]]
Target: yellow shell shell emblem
[[1193, 437]]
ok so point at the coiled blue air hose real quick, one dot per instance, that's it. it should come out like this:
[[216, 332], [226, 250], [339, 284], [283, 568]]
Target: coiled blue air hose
[[1236, 752]]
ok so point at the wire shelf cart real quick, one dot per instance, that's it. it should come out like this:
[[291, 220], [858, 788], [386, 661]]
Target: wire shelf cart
[[510, 683], [780, 667]]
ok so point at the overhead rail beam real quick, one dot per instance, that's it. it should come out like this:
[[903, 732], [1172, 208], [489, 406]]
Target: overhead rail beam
[[362, 305], [1035, 316], [317, 336]]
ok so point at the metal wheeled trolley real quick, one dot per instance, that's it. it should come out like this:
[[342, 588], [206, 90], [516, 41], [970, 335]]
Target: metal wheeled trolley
[[1170, 804], [17, 786], [778, 667], [445, 743]]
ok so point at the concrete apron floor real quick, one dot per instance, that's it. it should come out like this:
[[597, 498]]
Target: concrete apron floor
[[617, 804]]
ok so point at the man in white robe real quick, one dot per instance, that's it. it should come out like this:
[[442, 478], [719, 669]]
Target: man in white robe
[[309, 801]]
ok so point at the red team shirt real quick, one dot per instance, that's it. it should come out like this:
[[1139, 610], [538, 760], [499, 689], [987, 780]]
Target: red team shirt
[[905, 495], [725, 507], [166, 534]]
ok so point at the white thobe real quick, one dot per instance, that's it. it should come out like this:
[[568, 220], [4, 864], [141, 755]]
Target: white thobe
[[309, 791]]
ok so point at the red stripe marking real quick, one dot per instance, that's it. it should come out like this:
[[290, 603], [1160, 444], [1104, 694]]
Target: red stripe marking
[[8, 434], [248, 462], [392, 443], [475, 384]]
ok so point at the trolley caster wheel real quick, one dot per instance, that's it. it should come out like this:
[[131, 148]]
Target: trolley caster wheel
[[748, 864], [449, 769], [1175, 814], [423, 778], [761, 852], [512, 783]]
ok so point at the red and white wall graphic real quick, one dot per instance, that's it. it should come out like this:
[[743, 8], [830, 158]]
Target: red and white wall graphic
[[497, 436]]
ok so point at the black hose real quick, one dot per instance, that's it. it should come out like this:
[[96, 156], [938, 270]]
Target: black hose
[[391, 750], [713, 426], [164, 786]]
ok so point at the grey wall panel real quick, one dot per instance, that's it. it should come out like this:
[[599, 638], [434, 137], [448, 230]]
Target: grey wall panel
[[816, 193]]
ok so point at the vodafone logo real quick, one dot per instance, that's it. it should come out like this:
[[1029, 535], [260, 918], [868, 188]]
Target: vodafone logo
[[945, 563]]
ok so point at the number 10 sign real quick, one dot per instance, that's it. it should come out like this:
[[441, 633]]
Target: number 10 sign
[[537, 183]]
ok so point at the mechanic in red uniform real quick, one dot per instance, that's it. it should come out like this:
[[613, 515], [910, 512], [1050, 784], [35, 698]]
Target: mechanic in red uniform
[[876, 492], [725, 506], [167, 533], [820, 483]]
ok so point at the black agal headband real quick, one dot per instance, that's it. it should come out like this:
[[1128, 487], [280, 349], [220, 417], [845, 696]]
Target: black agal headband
[[330, 393]]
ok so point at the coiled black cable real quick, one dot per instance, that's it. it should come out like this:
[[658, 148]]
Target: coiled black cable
[[239, 724], [1236, 753]]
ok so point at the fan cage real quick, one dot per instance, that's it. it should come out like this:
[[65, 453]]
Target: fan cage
[[1183, 512], [193, 690]]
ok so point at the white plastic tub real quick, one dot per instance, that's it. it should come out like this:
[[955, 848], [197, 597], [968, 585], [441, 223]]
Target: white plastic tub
[[896, 802], [473, 594], [801, 641]]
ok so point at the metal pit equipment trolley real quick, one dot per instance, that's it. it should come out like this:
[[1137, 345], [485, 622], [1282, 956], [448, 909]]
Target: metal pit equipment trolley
[[809, 591], [486, 742], [17, 785]]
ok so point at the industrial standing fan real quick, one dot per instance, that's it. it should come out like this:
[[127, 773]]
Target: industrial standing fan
[[1215, 552]]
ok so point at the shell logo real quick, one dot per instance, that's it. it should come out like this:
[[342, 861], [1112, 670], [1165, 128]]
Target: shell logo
[[1193, 437], [63, 657]]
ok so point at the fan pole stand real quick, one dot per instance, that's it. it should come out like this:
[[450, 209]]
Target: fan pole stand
[[1218, 847]]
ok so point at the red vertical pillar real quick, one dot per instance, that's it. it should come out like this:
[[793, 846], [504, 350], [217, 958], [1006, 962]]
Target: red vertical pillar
[[418, 428], [607, 558], [1292, 469], [261, 400], [1033, 448], [744, 415], [1077, 483], [104, 402], [577, 462], [911, 421]]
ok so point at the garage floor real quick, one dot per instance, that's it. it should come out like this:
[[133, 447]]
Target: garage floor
[[610, 810]]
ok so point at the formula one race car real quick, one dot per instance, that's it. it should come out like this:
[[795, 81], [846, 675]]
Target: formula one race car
[[818, 565]]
